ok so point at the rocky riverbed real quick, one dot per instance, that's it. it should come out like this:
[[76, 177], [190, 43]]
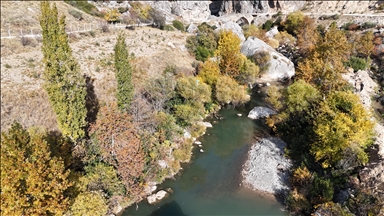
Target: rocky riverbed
[[267, 170]]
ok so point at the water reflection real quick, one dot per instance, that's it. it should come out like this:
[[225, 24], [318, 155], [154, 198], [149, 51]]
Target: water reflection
[[169, 209]]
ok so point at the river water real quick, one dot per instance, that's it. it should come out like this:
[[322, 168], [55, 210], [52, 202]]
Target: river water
[[210, 184]]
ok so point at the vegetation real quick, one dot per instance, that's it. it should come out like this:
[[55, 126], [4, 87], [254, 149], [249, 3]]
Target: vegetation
[[63, 82], [123, 74], [32, 181], [178, 25], [203, 45]]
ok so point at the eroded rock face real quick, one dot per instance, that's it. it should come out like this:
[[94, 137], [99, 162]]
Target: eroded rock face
[[267, 169], [190, 11], [280, 67], [260, 112], [219, 8]]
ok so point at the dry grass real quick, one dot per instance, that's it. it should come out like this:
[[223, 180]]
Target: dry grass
[[29, 107]]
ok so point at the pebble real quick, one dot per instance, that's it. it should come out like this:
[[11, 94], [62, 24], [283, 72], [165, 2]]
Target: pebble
[[201, 150]]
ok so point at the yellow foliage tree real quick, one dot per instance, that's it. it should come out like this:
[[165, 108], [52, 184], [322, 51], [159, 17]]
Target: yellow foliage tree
[[228, 53], [32, 182], [343, 131], [209, 72], [89, 204]]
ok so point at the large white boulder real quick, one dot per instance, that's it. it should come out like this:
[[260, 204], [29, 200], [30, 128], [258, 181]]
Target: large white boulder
[[154, 198], [234, 27], [260, 112], [280, 67], [267, 169]]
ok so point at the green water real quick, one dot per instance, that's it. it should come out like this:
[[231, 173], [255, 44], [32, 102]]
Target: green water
[[210, 184]]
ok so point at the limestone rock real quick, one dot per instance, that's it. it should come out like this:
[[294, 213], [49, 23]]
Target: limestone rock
[[234, 27], [280, 67], [271, 33], [266, 168], [192, 28], [206, 124], [154, 198], [260, 112]]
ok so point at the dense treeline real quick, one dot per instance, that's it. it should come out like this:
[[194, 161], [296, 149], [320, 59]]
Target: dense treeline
[[324, 123]]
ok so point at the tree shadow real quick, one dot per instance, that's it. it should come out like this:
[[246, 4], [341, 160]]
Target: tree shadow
[[92, 103], [172, 208]]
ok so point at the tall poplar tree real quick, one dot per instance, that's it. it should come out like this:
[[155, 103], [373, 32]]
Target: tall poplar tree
[[123, 75], [65, 85]]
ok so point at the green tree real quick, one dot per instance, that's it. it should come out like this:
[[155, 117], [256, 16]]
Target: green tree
[[123, 74], [32, 182], [293, 21], [193, 89], [65, 85]]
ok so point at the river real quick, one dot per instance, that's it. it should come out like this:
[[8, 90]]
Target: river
[[210, 183]]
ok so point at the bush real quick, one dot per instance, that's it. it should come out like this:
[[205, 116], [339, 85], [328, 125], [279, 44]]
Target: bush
[[112, 15], [122, 9], [268, 25], [261, 59], [104, 26], [368, 25], [203, 45], [229, 91], [158, 19], [168, 28], [77, 14], [252, 30], [25, 41], [293, 21], [178, 25], [356, 63]]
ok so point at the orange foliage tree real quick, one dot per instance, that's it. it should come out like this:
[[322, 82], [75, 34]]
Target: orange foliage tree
[[120, 146]]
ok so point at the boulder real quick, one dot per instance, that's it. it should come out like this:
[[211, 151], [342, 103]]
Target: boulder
[[206, 124], [154, 198], [192, 28], [234, 27], [260, 112], [271, 33], [267, 169], [280, 67]]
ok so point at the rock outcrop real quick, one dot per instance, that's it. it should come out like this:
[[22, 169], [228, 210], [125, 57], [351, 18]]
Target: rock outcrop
[[234, 27], [190, 11], [260, 112], [220, 8], [280, 67], [267, 169]]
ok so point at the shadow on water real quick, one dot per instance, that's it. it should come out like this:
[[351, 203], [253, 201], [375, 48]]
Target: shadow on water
[[169, 209]]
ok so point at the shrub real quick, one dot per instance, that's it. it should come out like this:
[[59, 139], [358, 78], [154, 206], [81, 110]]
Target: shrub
[[122, 9], [321, 190], [178, 25], [112, 15], [252, 30], [168, 28], [75, 13], [261, 59], [357, 63], [25, 41], [193, 89], [157, 18], [268, 25], [104, 26], [284, 38], [367, 25], [229, 91], [203, 45], [293, 21]]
